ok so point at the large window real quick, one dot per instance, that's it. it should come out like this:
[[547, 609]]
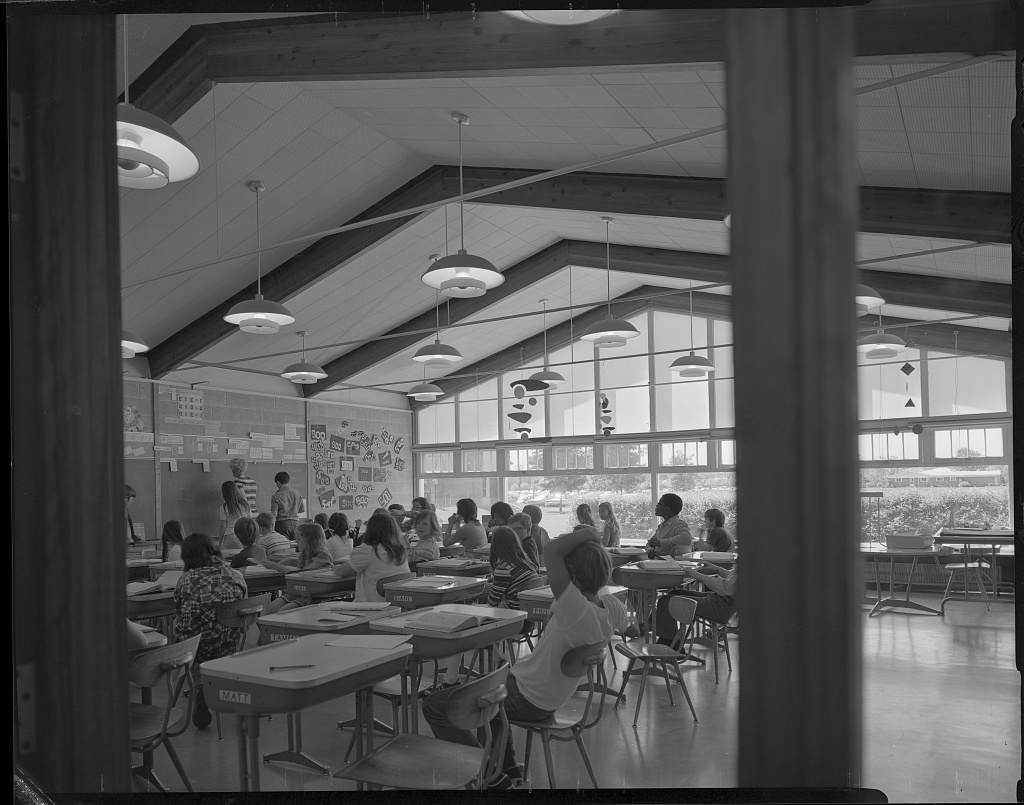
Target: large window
[[902, 446], [478, 413], [436, 463], [574, 458], [479, 460], [625, 378], [435, 424], [968, 443], [524, 460], [572, 407], [621, 456], [965, 385]]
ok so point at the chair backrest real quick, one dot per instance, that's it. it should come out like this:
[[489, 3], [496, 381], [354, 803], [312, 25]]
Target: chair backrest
[[242, 614], [453, 550], [683, 610], [472, 706], [173, 664], [389, 579], [588, 661]]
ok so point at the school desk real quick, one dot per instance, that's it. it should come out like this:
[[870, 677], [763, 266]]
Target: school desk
[[426, 591], [452, 550], [991, 538], [646, 582], [148, 606], [432, 645], [537, 602], [314, 620], [453, 566], [622, 555], [244, 685], [309, 585], [259, 579], [877, 553], [157, 569]]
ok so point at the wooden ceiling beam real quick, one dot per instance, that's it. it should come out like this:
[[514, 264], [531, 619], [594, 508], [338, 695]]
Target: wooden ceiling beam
[[298, 273], [969, 340], [958, 214], [517, 277]]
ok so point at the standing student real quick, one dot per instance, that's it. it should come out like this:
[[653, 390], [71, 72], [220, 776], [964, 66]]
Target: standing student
[[171, 539], [285, 505], [612, 531], [538, 532], [276, 545], [673, 535], [428, 532], [522, 525], [470, 534], [129, 496], [585, 517], [578, 567], [246, 532], [381, 553], [237, 467], [206, 584], [234, 506], [339, 542], [312, 555]]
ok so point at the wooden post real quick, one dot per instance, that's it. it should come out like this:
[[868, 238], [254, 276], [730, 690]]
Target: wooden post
[[794, 215], [68, 475]]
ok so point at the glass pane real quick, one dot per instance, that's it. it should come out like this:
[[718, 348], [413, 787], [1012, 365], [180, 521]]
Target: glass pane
[[625, 456], [522, 411], [672, 331], [574, 458], [525, 460], [728, 449], [683, 405], [478, 413], [575, 365], [445, 492], [725, 410], [479, 460], [684, 454], [883, 389], [440, 462], [629, 410], [435, 424], [572, 413], [965, 385]]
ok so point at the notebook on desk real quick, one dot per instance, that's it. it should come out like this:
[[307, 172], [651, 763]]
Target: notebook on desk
[[660, 564]]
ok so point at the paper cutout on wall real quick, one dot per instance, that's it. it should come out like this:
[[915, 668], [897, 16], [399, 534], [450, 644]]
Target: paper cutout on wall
[[322, 478], [362, 501], [337, 443], [346, 464], [377, 445], [318, 433], [370, 456], [366, 441], [345, 502], [384, 459], [344, 483], [399, 444], [367, 487], [385, 436], [380, 476], [352, 447], [327, 500], [344, 424], [356, 433], [399, 464], [366, 473], [385, 498]]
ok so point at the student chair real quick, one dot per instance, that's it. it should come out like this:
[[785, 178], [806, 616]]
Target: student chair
[[240, 615], [150, 725], [647, 654], [567, 723], [719, 636], [970, 569], [421, 762]]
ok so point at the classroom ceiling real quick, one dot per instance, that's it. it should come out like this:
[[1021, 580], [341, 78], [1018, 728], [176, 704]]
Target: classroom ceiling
[[334, 137]]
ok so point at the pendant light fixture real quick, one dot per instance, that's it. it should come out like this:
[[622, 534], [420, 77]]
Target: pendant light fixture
[[302, 372], [552, 379], [867, 299], [880, 345], [425, 392], [462, 274], [132, 344], [150, 153], [609, 332], [259, 315], [569, 16], [437, 355], [692, 365]]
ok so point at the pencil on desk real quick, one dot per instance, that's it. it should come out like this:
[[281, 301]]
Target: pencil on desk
[[289, 667]]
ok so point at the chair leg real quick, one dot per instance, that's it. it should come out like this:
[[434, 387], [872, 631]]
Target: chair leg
[[640, 693], [686, 693], [545, 738], [578, 735], [178, 766], [668, 683], [526, 756], [725, 641], [216, 717], [982, 587], [625, 679], [949, 584], [714, 648]]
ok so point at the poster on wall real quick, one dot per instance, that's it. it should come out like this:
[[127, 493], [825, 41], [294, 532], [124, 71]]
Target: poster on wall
[[362, 501], [352, 447], [399, 464], [366, 473], [384, 459], [337, 443], [346, 464], [346, 503], [327, 499], [385, 498]]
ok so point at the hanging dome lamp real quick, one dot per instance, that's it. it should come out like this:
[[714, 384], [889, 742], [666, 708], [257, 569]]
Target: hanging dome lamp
[[609, 332], [303, 372]]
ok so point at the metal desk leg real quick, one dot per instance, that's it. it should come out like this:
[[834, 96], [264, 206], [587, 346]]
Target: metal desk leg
[[294, 753], [892, 600]]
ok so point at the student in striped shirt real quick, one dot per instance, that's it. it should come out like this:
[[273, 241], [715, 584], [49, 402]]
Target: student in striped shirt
[[511, 568], [276, 545]]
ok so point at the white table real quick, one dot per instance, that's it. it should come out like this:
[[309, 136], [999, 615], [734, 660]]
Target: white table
[[428, 591], [878, 553]]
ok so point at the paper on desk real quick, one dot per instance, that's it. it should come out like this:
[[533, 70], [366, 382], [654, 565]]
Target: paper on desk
[[384, 641], [427, 582], [660, 564], [349, 606], [259, 570]]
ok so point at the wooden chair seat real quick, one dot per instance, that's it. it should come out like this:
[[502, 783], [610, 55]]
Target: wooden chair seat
[[638, 649], [419, 762], [146, 722]]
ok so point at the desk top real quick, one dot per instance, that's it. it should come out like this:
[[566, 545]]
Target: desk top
[[328, 663], [158, 595], [434, 583], [139, 561], [322, 575], [873, 549], [316, 619], [545, 594], [404, 623], [154, 639], [456, 566], [972, 536]]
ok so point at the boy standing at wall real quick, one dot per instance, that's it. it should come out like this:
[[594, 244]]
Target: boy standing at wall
[[285, 505]]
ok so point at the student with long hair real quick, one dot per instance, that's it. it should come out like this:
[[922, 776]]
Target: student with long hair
[[171, 539], [612, 530], [523, 526], [585, 517], [206, 584], [537, 531], [234, 506], [511, 568], [381, 554], [471, 533], [312, 555], [339, 542], [427, 529]]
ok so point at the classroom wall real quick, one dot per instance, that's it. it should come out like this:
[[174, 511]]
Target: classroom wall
[[178, 441]]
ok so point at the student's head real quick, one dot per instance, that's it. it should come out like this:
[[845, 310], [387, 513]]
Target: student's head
[[536, 515], [172, 534], [311, 540], [589, 567], [265, 520], [197, 551], [237, 466], [584, 515], [427, 525], [338, 524], [716, 517], [420, 503], [521, 524], [321, 520], [466, 509], [669, 505], [282, 478], [129, 494], [234, 499], [246, 530], [606, 512], [500, 513], [506, 546], [383, 536]]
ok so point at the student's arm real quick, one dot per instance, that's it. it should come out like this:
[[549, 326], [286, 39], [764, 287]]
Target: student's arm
[[554, 557], [288, 565], [358, 560], [451, 536], [343, 570], [274, 507]]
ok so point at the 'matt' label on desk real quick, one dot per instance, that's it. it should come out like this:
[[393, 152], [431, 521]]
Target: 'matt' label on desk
[[402, 599], [277, 636], [235, 696]]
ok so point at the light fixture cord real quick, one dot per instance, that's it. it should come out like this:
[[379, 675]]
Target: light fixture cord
[[437, 312], [956, 373], [124, 32], [691, 321], [303, 349], [544, 319], [608, 262], [259, 248], [462, 222]]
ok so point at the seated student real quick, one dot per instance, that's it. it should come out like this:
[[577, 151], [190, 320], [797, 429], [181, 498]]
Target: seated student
[[339, 543], [717, 603], [713, 536], [578, 567], [501, 513], [397, 511], [171, 539], [312, 555], [612, 529], [539, 534], [428, 530], [470, 534], [277, 546], [381, 554], [673, 535], [206, 584], [523, 526], [409, 516], [246, 532], [321, 520], [585, 517]]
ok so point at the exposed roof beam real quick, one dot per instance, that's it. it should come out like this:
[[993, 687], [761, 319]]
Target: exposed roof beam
[[972, 340], [956, 214], [520, 276], [297, 273]]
